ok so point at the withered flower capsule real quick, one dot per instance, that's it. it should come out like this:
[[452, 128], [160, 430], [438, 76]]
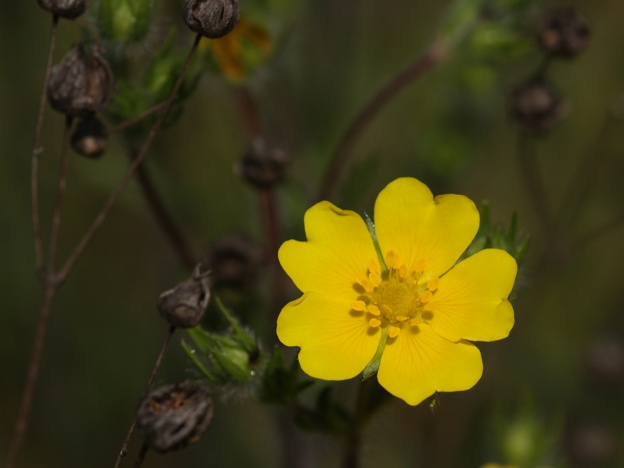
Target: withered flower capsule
[[185, 305], [535, 106], [211, 18], [82, 83], [263, 165], [234, 261], [564, 33], [89, 138], [172, 417], [68, 9]]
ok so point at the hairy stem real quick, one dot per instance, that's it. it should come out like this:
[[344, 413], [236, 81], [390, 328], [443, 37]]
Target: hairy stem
[[101, 217], [433, 56]]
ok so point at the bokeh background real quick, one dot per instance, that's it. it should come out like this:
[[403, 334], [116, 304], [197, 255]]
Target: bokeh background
[[553, 389]]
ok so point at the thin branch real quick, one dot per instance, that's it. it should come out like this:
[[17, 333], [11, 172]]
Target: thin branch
[[534, 187], [141, 456], [164, 219], [598, 232], [135, 120], [32, 375], [99, 220], [432, 57], [163, 349], [60, 196], [37, 150]]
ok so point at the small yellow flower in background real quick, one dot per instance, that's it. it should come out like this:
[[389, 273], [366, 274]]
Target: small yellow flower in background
[[240, 52], [409, 309]]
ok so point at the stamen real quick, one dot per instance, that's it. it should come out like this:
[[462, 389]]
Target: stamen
[[433, 284], [374, 322], [419, 266], [360, 306], [373, 267], [367, 285], [401, 318], [425, 296], [373, 309], [386, 309], [392, 259], [403, 272], [393, 332], [375, 279]]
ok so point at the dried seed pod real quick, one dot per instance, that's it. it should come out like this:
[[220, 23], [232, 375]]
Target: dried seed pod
[[234, 261], [263, 165], [174, 416], [564, 33], [68, 9], [82, 83], [536, 106], [89, 138], [211, 18], [185, 305]]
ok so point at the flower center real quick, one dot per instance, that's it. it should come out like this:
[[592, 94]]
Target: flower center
[[397, 297]]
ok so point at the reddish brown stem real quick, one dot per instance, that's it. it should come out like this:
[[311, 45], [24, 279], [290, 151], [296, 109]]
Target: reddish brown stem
[[37, 150], [367, 114], [32, 375], [163, 349], [101, 217]]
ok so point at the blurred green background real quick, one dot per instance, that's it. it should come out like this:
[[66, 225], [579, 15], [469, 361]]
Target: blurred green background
[[553, 388]]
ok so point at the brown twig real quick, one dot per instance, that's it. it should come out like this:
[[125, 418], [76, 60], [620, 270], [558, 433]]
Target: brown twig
[[32, 375], [177, 240], [99, 220], [433, 56], [60, 196], [163, 349], [37, 150], [129, 123], [141, 456]]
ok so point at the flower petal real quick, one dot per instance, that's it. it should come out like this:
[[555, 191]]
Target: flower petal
[[471, 300], [420, 228], [337, 252], [420, 362], [336, 342]]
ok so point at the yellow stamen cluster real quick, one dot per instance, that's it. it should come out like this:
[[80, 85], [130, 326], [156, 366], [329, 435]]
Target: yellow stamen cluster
[[396, 297]]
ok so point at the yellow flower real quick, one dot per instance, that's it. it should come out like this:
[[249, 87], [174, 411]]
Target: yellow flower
[[409, 309]]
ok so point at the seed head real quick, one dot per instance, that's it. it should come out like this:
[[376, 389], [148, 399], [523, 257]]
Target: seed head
[[82, 83], [263, 165], [211, 18], [89, 138], [536, 107], [174, 416], [184, 306], [564, 33], [68, 9]]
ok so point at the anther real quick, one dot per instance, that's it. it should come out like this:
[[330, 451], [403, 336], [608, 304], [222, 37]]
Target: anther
[[425, 296], [393, 332], [360, 306], [401, 318], [373, 267], [433, 284], [374, 322], [373, 309]]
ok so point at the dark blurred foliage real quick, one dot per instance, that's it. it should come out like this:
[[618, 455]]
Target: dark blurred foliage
[[553, 388]]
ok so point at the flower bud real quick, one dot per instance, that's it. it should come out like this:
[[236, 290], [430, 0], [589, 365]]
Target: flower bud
[[536, 106], [68, 9], [82, 83], [89, 138], [564, 33], [234, 261], [211, 18], [263, 165], [184, 306], [174, 416]]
